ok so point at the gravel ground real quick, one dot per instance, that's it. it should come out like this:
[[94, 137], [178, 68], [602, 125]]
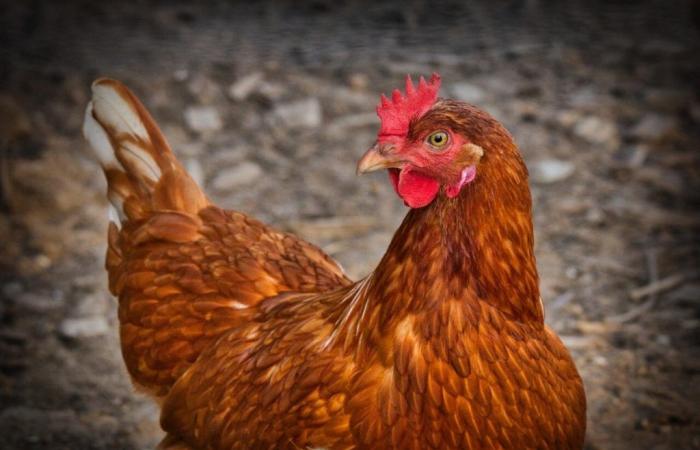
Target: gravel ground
[[271, 105]]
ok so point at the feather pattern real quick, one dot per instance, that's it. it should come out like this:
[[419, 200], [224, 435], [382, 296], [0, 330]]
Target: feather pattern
[[184, 270], [253, 338]]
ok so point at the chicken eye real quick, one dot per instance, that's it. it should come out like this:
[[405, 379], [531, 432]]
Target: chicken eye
[[438, 139]]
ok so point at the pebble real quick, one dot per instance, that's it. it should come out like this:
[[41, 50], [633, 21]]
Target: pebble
[[273, 91], [584, 98], [358, 81], [600, 360], [91, 304], [203, 118], [194, 168], [596, 130], [653, 127], [236, 176], [304, 113], [595, 216], [349, 121], [467, 92], [549, 171], [181, 75], [567, 118], [663, 339], [204, 89], [37, 302], [83, 327], [244, 86]]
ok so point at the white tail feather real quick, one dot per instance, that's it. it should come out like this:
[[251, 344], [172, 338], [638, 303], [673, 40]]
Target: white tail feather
[[135, 156], [98, 140], [114, 111]]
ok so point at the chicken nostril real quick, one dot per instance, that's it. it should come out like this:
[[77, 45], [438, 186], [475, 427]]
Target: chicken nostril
[[385, 149]]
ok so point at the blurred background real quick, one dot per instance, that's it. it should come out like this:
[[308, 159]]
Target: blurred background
[[270, 105]]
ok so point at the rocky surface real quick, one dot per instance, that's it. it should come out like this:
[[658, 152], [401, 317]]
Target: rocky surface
[[270, 106]]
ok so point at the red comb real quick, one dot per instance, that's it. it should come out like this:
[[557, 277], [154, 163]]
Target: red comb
[[396, 114]]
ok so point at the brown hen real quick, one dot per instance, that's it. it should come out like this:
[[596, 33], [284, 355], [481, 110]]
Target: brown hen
[[251, 338]]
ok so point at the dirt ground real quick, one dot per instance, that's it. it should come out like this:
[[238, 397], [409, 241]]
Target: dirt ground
[[271, 105]]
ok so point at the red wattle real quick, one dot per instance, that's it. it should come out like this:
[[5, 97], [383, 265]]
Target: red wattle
[[415, 189]]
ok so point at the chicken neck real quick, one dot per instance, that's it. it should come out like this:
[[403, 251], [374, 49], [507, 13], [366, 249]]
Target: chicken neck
[[477, 247]]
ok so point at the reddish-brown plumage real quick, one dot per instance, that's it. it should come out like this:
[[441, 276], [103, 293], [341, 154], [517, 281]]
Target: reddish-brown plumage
[[255, 339]]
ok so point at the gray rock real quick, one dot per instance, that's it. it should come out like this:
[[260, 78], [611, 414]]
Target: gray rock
[[467, 92], [584, 98], [549, 171], [226, 156], [203, 118], [244, 86], [358, 81], [83, 327], [194, 168], [597, 130], [273, 91], [204, 89], [39, 302], [349, 121], [191, 149], [236, 176], [653, 127], [181, 74], [91, 305], [304, 113]]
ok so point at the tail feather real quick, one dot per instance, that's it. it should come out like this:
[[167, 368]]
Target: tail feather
[[142, 172]]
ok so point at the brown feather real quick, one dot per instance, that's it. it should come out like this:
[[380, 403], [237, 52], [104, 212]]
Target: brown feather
[[255, 339]]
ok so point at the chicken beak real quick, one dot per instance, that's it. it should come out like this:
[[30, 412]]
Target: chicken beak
[[380, 156]]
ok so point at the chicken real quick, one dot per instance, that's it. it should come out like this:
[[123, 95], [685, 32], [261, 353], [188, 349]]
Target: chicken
[[252, 338]]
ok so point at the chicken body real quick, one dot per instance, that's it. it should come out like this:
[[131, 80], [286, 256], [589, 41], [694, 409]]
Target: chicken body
[[252, 338]]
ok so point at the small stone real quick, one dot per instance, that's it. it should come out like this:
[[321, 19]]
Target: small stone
[[600, 360], [585, 98], [358, 81], [637, 156], [273, 91], [244, 86], [36, 302], [567, 118], [551, 170], [84, 327], [181, 75], [236, 176], [595, 216], [194, 168], [191, 149], [203, 118], [352, 121], [663, 339], [304, 113], [596, 130], [653, 127], [204, 89], [91, 305], [467, 92]]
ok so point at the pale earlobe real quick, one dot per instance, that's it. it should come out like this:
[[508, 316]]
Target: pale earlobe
[[474, 151]]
